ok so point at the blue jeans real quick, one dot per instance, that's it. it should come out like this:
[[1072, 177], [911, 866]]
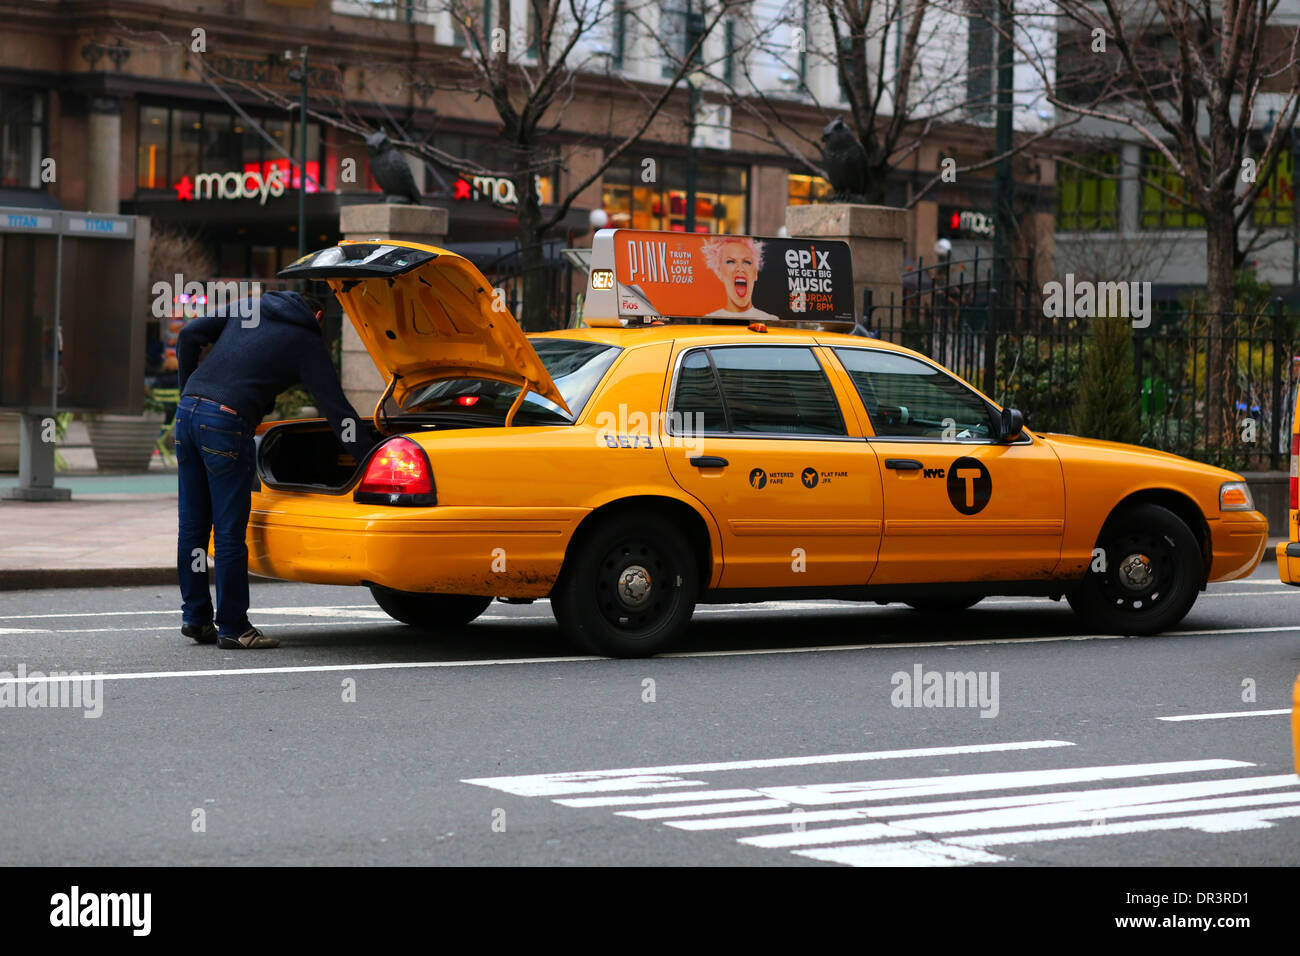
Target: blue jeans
[[214, 458]]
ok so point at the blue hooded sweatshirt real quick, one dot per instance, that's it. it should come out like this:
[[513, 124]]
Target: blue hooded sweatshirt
[[253, 362]]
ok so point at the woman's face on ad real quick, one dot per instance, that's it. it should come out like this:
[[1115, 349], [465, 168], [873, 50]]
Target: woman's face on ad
[[738, 272]]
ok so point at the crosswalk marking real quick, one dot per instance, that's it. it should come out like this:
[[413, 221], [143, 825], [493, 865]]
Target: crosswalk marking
[[579, 781], [938, 820]]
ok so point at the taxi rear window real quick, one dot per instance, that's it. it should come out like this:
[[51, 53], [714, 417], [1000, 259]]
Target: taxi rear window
[[748, 389], [575, 367]]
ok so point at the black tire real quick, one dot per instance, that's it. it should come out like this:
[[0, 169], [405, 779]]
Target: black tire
[[431, 611], [944, 605], [651, 612], [1154, 570]]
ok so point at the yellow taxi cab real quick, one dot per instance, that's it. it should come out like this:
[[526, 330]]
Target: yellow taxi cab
[[633, 468]]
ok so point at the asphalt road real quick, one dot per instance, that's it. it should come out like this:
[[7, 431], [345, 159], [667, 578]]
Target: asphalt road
[[777, 737]]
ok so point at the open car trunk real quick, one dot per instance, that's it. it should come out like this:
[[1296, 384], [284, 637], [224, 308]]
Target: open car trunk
[[306, 455]]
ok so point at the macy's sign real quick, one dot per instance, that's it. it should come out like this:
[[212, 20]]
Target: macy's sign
[[234, 185]]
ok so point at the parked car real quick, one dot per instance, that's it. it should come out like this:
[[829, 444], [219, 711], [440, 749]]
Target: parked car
[[629, 473]]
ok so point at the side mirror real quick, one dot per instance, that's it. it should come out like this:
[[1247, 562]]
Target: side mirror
[[1013, 424]]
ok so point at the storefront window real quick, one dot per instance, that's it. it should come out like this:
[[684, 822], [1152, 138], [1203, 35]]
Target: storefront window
[[1162, 207], [151, 154], [174, 143], [720, 197], [1275, 204], [22, 138], [805, 190], [220, 149], [186, 140], [1087, 193]]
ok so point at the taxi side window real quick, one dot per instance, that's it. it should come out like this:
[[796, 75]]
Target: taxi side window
[[698, 393], [763, 390], [907, 398]]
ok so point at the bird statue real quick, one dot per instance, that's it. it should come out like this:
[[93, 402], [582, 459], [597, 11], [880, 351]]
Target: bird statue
[[845, 162], [390, 170]]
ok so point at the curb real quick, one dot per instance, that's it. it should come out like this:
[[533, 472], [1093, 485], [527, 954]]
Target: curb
[[31, 579]]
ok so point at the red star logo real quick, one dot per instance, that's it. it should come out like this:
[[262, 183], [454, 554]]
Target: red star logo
[[184, 189], [462, 189]]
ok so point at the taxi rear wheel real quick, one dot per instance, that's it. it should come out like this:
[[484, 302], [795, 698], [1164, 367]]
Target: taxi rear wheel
[[628, 588], [1152, 573], [431, 611]]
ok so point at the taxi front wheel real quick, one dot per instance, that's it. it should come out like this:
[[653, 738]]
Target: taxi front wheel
[[431, 611], [1148, 576], [628, 588]]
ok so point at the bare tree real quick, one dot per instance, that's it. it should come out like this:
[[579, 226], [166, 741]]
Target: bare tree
[[900, 69], [532, 72], [1187, 77]]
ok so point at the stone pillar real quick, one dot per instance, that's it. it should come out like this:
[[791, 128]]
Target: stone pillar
[[875, 234], [104, 160], [769, 194], [362, 381]]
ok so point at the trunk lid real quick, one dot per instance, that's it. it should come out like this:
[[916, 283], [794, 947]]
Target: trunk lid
[[425, 314]]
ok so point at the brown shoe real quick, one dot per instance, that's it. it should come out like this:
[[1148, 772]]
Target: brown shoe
[[251, 639]]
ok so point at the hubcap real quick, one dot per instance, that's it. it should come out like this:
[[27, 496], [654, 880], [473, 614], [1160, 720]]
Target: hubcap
[[1135, 572], [634, 586]]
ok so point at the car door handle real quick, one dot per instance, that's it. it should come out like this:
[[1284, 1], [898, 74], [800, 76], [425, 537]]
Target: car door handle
[[903, 464], [709, 461]]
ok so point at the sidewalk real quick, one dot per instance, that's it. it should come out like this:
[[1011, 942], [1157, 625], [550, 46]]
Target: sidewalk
[[117, 530]]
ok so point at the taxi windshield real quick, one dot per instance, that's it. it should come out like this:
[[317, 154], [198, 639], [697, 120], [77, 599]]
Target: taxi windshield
[[576, 367]]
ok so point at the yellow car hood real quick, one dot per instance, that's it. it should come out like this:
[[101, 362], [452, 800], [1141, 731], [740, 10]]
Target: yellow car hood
[[425, 314]]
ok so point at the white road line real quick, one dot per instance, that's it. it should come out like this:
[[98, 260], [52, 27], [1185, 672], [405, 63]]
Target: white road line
[[757, 652], [910, 853], [957, 851], [1113, 797], [576, 781], [826, 793], [175, 612], [1230, 713], [1090, 806], [313, 669], [703, 809], [623, 801]]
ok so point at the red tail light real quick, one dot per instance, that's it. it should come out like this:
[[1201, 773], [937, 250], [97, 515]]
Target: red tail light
[[1295, 470], [398, 473]]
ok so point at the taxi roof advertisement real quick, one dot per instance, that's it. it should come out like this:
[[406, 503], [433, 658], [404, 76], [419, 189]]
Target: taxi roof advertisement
[[732, 277]]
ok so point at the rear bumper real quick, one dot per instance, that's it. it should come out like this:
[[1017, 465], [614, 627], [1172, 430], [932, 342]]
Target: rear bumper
[[507, 552], [1238, 542], [1288, 562]]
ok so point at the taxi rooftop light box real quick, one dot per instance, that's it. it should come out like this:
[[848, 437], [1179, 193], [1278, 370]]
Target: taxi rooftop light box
[[640, 276]]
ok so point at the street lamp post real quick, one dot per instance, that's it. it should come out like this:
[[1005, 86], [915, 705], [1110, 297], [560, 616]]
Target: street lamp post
[[691, 171], [300, 74]]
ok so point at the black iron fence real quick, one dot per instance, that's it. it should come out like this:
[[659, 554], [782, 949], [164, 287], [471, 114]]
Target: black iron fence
[[1216, 388]]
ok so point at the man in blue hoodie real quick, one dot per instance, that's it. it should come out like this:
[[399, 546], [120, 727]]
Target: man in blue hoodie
[[259, 348]]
